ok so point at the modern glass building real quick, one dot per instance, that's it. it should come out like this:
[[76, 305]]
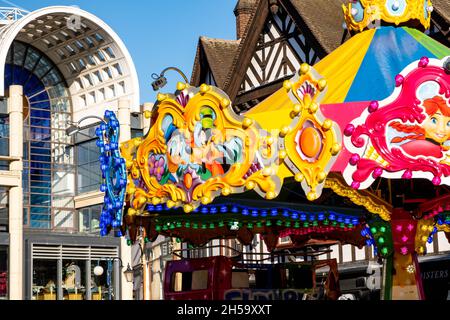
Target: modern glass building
[[60, 64]]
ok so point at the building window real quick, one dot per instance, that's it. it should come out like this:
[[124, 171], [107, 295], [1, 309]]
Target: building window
[[88, 164], [98, 77], [49, 173], [118, 69], [89, 80], [110, 52], [122, 87], [89, 42], [4, 215], [4, 140], [108, 72], [89, 219], [82, 64], [70, 50], [101, 56], [91, 60], [101, 94], [79, 45], [99, 37]]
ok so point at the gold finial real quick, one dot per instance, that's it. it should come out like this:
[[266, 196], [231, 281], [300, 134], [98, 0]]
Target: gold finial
[[161, 97], [304, 68], [247, 123], [181, 86], [204, 88]]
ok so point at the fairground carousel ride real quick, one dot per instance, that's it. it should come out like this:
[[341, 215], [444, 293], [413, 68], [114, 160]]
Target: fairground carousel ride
[[370, 123]]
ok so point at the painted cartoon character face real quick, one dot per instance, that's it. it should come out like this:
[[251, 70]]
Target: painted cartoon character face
[[437, 127], [204, 149]]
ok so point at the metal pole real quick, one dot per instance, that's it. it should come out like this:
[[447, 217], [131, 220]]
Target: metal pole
[[88, 280], [108, 278], [144, 269], [116, 280], [59, 280]]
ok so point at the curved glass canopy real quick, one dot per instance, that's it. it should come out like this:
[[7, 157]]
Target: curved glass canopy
[[49, 174]]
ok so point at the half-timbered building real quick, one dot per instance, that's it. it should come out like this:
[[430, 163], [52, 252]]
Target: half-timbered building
[[274, 37]]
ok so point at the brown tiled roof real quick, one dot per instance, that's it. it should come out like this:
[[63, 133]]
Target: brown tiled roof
[[324, 18], [220, 55], [245, 5], [442, 7]]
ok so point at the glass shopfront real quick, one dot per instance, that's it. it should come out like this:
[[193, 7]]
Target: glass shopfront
[[73, 277], [44, 279]]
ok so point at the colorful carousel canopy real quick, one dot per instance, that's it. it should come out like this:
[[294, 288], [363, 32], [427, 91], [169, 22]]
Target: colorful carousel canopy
[[363, 69]]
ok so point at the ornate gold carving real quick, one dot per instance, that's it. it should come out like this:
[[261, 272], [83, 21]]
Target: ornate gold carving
[[311, 141], [362, 14], [342, 189], [197, 149]]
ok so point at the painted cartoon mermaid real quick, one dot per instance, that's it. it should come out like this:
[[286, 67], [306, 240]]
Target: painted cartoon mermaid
[[428, 139]]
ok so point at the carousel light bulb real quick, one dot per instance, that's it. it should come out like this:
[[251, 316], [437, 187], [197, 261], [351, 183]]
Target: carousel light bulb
[[322, 84], [336, 149], [284, 131], [204, 88], [226, 191], [327, 124], [321, 176], [225, 103], [312, 195], [410, 269], [161, 97], [313, 107], [206, 200], [282, 154], [304, 68], [247, 123], [250, 185], [181, 86], [297, 109], [270, 195], [287, 85]]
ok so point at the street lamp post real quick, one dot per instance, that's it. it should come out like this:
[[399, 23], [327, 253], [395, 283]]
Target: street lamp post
[[161, 81], [75, 127]]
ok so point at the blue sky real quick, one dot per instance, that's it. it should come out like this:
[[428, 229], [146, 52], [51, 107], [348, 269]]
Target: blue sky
[[158, 33]]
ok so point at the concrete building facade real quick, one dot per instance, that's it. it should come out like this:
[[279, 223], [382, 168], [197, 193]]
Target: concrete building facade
[[60, 65]]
